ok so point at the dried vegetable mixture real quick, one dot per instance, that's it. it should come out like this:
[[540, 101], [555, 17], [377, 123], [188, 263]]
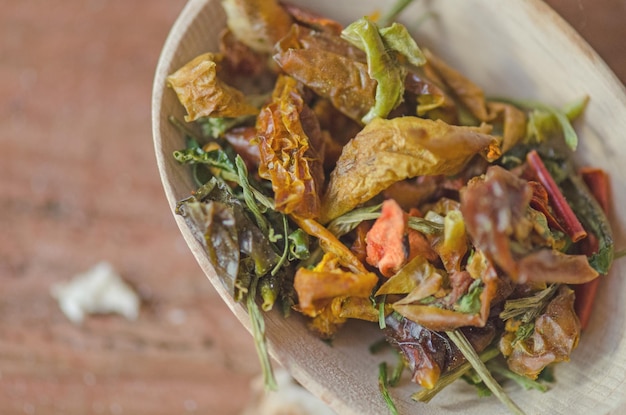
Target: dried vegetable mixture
[[345, 173]]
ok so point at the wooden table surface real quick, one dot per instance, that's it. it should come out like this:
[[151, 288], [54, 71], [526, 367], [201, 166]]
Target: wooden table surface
[[79, 185]]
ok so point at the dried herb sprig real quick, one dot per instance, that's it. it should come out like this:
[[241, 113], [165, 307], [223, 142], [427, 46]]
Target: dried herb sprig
[[459, 339]]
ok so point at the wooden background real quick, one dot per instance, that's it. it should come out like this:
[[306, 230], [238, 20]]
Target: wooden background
[[78, 184]]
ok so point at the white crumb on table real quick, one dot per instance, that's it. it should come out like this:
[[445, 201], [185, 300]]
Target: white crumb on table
[[99, 290]]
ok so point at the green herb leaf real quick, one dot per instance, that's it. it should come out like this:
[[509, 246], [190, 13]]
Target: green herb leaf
[[459, 339], [594, 220], [215, 127], [248, 195], [298, 245], [215, 158], [394, 11], [500, 368], [528, 308], [258, 331], [470, 302], [382, 385], [425, 395]]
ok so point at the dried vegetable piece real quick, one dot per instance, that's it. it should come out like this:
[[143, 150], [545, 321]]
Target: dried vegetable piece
[[389, 51], [453, 247], [387, 241], [495, 210], [470, 94], [228, 237], [382, 66], [387, 151], [437, 318], [203, 94], [288, 159], [330, 294], [555, 336], [429, 354], [513, 122], [330, 244], [418, 279], [330, 72], [431, 101], [257, 23], [327, 281], [240, 58], [310, 18], [597, 180], [551, 266]]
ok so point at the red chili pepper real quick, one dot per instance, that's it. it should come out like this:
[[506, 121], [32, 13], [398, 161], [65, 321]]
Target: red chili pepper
[[598, 182], [564, 213]]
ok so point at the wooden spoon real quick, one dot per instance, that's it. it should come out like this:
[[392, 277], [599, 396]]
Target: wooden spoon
[[517, 49]]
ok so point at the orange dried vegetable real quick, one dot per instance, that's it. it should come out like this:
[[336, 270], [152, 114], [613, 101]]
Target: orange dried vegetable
[[328, 280], [288, 158], [387, 241]]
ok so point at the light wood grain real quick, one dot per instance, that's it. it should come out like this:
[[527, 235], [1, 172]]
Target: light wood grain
[[518, 48]]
